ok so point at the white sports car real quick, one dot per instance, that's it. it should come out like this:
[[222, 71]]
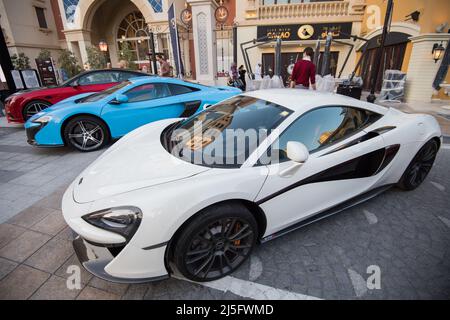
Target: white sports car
[[196, 195]]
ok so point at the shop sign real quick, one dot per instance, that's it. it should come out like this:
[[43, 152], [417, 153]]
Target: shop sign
[[296, 32]]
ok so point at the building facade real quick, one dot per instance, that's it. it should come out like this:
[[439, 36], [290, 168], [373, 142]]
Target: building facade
[[410, 49], [30, 26], [300, 24]]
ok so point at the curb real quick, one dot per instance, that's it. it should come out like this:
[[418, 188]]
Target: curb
[[446, 140]]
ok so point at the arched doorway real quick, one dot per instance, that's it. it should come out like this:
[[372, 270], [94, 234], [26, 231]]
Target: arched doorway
[[135, 32], [396, 53]]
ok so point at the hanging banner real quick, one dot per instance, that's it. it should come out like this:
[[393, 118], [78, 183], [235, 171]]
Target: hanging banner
[[175, 42]]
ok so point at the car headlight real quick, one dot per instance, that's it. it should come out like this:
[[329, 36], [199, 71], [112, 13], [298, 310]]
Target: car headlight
[[43, 120], [121, 220]]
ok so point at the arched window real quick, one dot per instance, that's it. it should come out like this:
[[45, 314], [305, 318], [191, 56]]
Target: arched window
[[134, 31]]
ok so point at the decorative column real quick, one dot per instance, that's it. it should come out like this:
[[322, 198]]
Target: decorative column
[[205, 47], [422, 68]]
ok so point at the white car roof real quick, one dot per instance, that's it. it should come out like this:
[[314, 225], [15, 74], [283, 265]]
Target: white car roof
[[302, 101]]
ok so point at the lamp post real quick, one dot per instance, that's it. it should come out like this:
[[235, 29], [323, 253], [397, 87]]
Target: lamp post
[[380, 51]]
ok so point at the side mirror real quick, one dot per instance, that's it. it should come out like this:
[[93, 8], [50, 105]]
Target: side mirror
[[75, 84], [297, 152], [119, 99]]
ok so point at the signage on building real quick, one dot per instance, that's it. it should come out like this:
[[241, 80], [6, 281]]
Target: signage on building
[[296, 32], [47, 72], [186, 17], [222, 14]]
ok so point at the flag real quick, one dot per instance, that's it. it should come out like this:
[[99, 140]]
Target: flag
[[175, 41]]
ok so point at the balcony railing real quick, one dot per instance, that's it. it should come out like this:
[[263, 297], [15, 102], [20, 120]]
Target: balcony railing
[[301, 10]]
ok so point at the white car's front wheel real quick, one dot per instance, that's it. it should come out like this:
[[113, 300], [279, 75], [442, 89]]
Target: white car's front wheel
[[216, 242]]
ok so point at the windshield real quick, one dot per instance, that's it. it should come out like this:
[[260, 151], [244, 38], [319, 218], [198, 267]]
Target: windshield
[[103, 94], [225, 135]]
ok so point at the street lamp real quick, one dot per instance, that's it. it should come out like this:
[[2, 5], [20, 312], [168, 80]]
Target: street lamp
[[438, 52], [103, 46], [104, 49]]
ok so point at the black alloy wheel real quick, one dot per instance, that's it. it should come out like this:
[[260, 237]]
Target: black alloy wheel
[[33, 108], [216, 243], [86, 134], [420, 167]]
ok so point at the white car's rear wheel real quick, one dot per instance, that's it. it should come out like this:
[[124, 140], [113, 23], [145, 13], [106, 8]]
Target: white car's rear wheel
[[216, 243], [420, 166]]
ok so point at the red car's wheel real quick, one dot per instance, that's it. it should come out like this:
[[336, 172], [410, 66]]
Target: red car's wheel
[[33, 108]]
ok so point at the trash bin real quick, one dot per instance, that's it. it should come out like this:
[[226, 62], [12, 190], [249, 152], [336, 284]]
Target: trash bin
[[350, 91]]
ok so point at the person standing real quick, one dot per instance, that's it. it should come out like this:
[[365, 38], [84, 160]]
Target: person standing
[[304, 74], [165, 66], [258, 71], [242, 73], [234, 75]]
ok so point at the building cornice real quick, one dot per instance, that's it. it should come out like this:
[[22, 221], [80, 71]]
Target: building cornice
[[251, 23], [431, 37], [32, 46]]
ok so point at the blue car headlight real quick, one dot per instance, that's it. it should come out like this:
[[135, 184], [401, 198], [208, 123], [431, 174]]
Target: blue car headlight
[[121, 220], [43, 120]]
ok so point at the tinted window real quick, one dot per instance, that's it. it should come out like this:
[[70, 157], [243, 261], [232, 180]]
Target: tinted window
[[227, 133], [103, 94], [148, 92], [123, 76], [325, 126], [177, 89], [98, 78]]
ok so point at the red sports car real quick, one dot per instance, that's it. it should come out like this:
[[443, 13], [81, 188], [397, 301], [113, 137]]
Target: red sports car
[[23, 105]]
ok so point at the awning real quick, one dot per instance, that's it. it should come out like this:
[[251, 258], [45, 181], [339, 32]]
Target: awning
[[393, 38]]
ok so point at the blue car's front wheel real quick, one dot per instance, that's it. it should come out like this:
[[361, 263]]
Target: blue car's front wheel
[[86, 134]]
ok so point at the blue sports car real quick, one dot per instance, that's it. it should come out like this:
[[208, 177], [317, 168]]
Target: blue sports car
[[88, 122]]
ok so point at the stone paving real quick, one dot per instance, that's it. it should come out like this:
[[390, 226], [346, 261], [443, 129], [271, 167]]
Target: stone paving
[[29, 174], [405, 234]]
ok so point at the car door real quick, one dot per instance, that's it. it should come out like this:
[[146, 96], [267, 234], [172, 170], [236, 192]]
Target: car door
[[343, 163], [146, 103], [192, 98]]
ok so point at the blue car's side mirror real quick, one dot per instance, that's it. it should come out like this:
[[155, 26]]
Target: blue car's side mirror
[[120, 98]]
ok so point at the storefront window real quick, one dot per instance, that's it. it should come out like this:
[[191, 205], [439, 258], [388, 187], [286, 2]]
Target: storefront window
[[290, 58]]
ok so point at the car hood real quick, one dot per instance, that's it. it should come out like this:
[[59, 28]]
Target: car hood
[[61, 105], [18, 93], [137, 161]]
